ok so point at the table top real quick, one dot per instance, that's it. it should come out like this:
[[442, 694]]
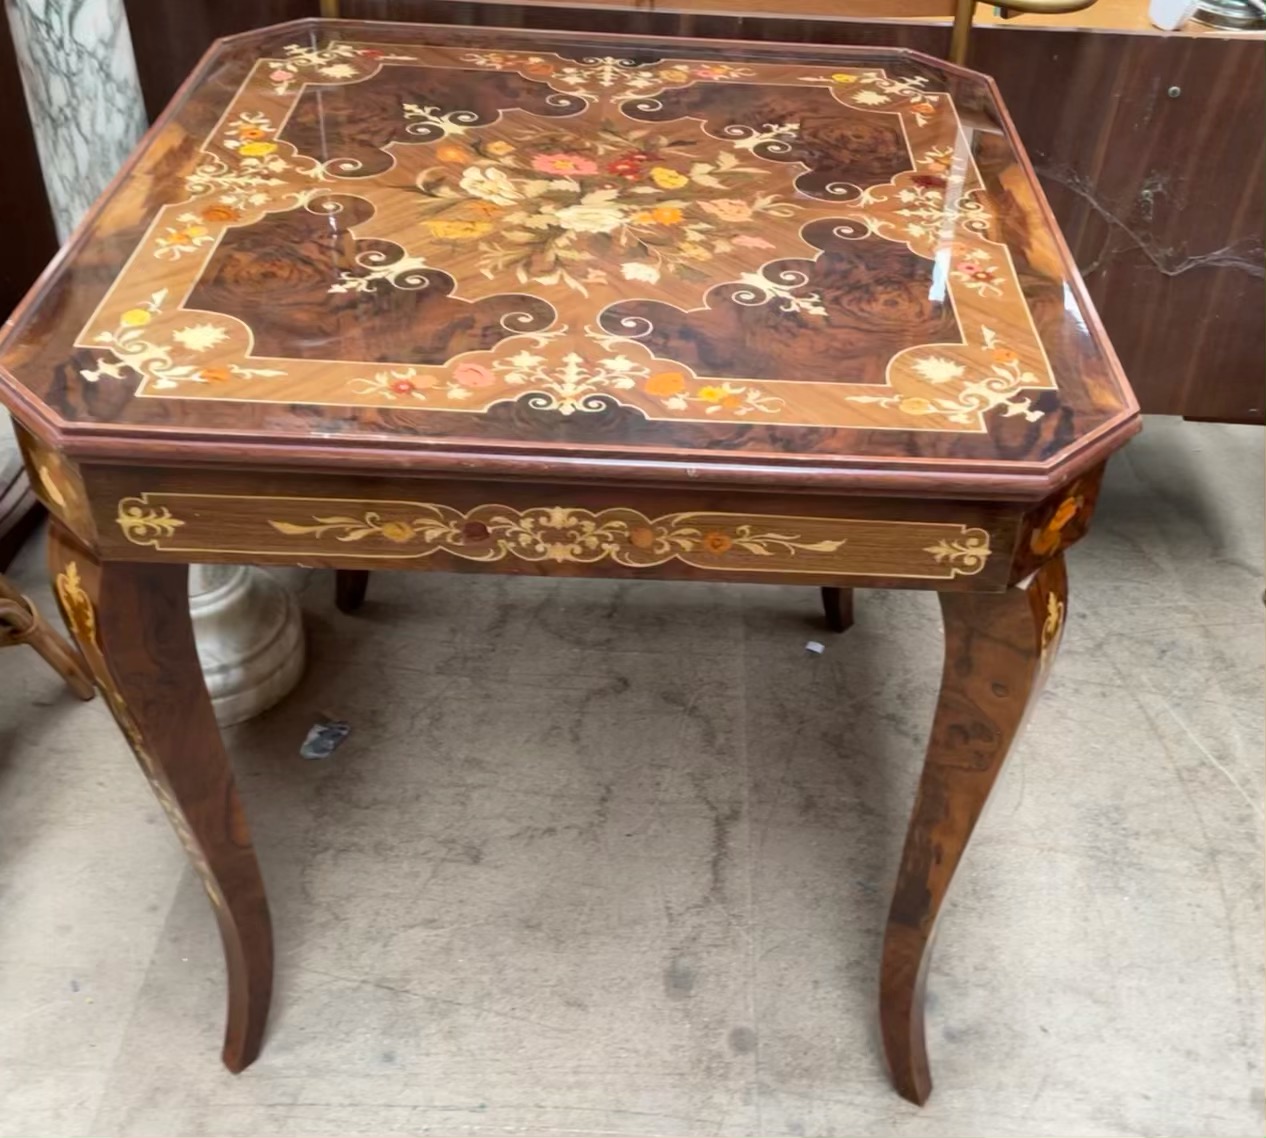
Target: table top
[[457, 249]]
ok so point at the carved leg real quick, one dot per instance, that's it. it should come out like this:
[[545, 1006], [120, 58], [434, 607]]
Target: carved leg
[[998, 648], [838, 606], [349, 588], [132, 624]]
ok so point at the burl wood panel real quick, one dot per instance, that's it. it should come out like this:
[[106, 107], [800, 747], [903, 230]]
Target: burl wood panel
[[1160, 196], [485, 240]]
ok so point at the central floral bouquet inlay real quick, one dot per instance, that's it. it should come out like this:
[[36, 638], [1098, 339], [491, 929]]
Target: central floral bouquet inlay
[[552, 207]]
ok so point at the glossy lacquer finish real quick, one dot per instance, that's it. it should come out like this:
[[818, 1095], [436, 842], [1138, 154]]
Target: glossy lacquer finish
[[418, 298], [508, 243]]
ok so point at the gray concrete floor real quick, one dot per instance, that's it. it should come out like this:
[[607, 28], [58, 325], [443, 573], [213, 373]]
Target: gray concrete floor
[[613, 858]]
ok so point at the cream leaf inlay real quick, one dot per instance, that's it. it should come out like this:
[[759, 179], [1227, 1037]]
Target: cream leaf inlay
[[1053, 624], [142, 522], [969, 553]]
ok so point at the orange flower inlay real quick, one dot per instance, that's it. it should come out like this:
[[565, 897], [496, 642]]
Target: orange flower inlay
[[1047, 539]]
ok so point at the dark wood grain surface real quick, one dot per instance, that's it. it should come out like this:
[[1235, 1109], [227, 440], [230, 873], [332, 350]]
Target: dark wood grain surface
[[30, 240], [823, 300], [1152, 157], [169, 38]]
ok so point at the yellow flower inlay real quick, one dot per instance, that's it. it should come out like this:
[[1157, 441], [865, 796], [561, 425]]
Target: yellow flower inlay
[[458, 230], [136, 317], [396, 531], [668, 179]]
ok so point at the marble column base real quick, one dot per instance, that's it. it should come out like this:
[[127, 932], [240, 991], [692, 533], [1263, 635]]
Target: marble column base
[[249, 635]]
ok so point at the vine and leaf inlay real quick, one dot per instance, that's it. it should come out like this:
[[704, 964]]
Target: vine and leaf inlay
[[736, 542]]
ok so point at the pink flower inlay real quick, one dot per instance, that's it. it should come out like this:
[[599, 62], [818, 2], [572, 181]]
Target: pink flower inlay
[[746, 242], [473, 375], [563, 164]]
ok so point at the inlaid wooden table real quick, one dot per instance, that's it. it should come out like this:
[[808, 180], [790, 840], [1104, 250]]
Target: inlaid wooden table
[[410, 297]]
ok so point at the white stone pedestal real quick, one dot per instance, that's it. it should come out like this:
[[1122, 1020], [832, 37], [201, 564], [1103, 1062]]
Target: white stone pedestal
[[249, 635]]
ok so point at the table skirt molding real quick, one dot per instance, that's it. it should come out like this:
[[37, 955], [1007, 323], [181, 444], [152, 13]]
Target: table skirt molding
[[555, 529]]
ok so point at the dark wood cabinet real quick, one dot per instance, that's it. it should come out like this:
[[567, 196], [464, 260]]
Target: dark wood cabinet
[[29, 237], [29, 244]]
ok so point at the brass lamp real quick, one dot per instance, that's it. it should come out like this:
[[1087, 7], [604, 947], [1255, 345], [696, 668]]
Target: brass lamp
[[965, 9]]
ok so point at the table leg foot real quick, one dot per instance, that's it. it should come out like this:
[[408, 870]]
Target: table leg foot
[[837, 604], [131, 622], [349, 588], [998, 647]]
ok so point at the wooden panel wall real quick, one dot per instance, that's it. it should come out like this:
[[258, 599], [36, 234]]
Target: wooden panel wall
[[1151, 152], [30, 239], [169, 36], [1160, 195]]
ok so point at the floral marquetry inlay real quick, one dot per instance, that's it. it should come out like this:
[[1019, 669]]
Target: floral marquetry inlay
[[598, 233], [561, 533], [1053, 625], [76, 605], [401, 530]]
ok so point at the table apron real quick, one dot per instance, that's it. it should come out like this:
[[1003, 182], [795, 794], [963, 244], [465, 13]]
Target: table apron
[[559, 529], [420, 522]]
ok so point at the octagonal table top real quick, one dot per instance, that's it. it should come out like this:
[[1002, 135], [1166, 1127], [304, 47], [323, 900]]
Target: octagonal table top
[[411, 246]]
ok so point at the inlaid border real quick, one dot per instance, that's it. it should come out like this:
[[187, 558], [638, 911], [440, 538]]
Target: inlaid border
[[395, 529], [246, 172]]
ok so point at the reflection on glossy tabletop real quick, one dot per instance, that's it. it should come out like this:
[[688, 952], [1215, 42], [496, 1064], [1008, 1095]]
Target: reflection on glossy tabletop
[[410, 297], [421, 240]]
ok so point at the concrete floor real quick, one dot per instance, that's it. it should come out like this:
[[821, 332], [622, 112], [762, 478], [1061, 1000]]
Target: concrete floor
[[613, 858]]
